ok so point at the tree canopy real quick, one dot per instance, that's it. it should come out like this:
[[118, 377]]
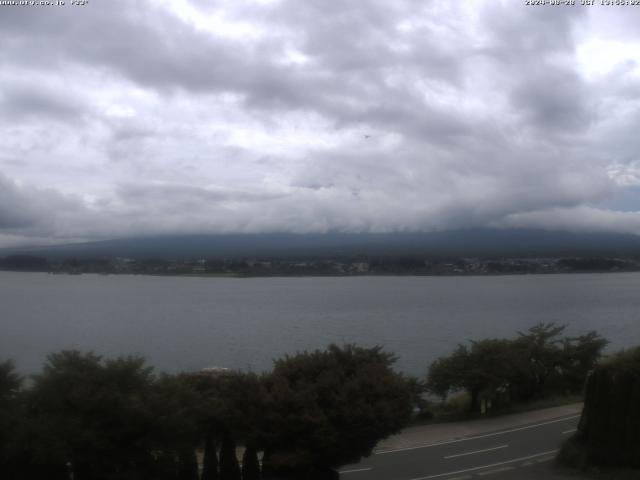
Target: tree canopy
[[328, 408], [105, 419], [534, 364], [112, 418], [10, 385], [609, 429]]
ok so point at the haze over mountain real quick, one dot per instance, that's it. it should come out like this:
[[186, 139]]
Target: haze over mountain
[[461, 243], [152, 118]]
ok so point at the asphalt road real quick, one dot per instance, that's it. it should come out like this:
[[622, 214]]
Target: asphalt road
[[493, 455]]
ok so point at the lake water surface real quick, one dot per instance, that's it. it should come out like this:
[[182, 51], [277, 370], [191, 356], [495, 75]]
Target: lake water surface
[[186, 323]]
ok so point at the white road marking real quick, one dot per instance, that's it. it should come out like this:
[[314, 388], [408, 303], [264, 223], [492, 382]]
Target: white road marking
[[355, 470], [486, 466], [569, 431], [383, 452], [495, 470], [477, 451]]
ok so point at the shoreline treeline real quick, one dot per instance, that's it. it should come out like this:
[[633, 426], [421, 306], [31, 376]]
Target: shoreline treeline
[[340, 265], [92, 418], [86, 417], [497, 372]]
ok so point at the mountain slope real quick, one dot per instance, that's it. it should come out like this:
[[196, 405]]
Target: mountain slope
[[468, 243]]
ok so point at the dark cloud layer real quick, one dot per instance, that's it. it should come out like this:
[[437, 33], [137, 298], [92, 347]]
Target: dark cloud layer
[[123, 118]]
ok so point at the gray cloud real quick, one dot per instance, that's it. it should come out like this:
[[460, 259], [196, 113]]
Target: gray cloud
[[123, 118], [33, 212], [162, 195], [12, 212], [554, 100], [24, 102]]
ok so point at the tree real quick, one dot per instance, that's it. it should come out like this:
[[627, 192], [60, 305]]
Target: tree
[[532, 365], [11, 421], [232, 406], [484, 371], [581, 355], [188, 465], [112, 418], [250, 464], [609, 429], [64, 409], [447, 373], [329, 408], [175, 431], [539, 356], [10, 382], [210, 459], [229, 468]]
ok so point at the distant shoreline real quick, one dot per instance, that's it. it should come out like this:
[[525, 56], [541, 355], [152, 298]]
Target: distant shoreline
[[324, 275]]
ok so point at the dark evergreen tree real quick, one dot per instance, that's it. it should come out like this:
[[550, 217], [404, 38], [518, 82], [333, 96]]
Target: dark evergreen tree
[[229, 467], [250, 464], [188, 469], [232, 403], [609, 430], [13, 458], [112, 418], [210, 459], [329, 408], [484, 371], [166, 466]]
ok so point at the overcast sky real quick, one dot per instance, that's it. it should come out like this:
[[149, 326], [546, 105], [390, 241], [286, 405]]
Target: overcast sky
[[122, 118]]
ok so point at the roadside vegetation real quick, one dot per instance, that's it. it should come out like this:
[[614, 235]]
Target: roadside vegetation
[[86, 417], [92, 418], [607, 442], [538, 368]]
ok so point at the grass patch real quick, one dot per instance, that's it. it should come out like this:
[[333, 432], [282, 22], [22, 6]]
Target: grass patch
[[456, 408], [540, 404]]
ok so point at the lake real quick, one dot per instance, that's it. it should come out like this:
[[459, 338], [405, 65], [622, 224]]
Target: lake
[[187, 323]]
